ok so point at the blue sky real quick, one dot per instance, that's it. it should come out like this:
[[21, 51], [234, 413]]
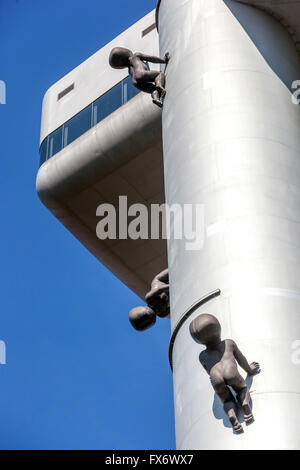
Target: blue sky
[[77, 375]]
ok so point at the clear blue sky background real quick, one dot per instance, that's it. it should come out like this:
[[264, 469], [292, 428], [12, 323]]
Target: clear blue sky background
[[77, 375]]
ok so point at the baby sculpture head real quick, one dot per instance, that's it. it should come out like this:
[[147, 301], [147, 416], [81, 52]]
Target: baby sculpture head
[[206, 329], [142, 318], [119, 57]]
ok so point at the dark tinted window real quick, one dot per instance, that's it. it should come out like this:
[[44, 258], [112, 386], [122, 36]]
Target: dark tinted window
[[88, 117], [78, 125], [108, 103], [55, 142], [129, 90], [43, 151]]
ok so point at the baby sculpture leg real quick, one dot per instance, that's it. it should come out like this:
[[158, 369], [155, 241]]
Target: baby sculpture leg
[[160, 93], [242, 394], [228, 401], [243, 397]]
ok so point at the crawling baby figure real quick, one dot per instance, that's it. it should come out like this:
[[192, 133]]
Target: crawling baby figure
[[220, 360], [158, 304], [149, 81]]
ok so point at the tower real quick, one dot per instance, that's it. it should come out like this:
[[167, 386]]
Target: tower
[[231, 142]]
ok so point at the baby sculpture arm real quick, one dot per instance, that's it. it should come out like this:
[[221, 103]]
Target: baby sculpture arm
[[153, 59], [158, 297], [159, 284], [252, 368]]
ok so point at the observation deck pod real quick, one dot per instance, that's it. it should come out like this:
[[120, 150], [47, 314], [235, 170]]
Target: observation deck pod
[[101, 139]]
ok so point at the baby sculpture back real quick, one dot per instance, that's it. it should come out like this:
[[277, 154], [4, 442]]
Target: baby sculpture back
[[220, 359]]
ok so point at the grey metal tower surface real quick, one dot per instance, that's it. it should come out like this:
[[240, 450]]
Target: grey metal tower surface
[[231, 142]]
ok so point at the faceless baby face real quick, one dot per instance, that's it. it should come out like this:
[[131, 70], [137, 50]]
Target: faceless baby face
[[206, 329], [142, 318], [119, 57]]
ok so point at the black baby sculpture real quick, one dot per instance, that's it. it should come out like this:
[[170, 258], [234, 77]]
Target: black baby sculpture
[[157, 300], [220, 359], [149, 81]]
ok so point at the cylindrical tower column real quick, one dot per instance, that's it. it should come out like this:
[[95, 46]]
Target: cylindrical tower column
[[231, 138]]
